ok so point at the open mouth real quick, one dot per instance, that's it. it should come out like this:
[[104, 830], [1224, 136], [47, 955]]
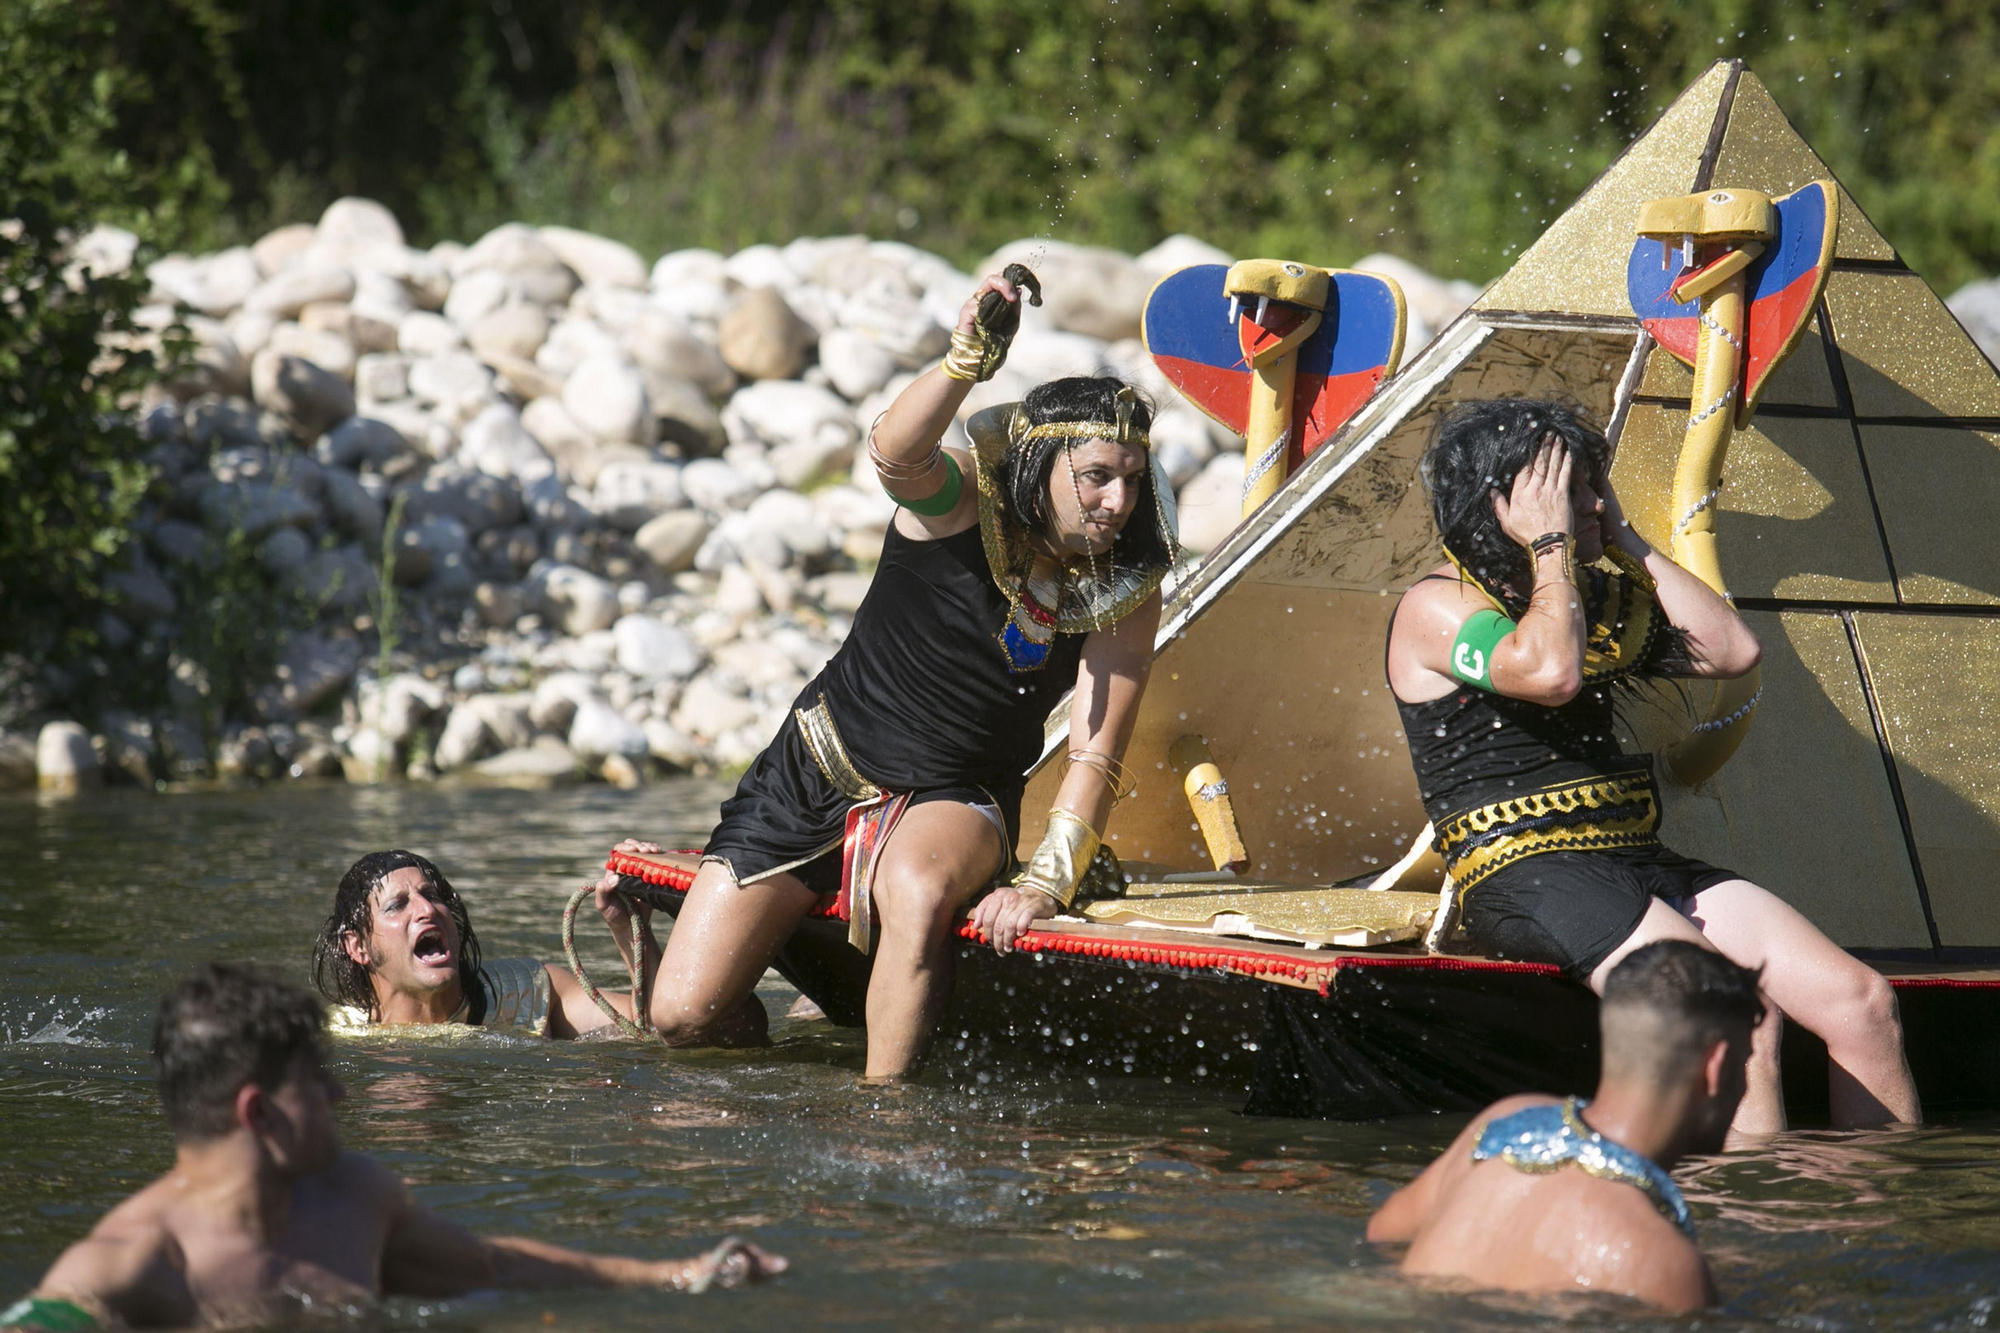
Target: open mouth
[[431, 950]]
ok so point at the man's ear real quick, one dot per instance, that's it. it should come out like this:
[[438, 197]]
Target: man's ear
[[252, 1108], [1715, 1067], [356, 948]]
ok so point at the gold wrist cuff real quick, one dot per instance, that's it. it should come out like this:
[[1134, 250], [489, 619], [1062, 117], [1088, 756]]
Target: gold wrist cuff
[[1058, 865], [967, 360]]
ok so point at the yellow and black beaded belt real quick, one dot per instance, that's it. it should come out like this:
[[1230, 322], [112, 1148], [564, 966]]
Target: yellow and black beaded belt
[[1599, 814]]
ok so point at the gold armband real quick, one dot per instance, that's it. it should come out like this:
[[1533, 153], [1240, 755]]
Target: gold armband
[[971, 359], [1058, 865]]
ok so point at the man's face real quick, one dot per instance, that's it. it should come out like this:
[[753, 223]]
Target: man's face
[[1093, 493], [1711, 1124], [412, 944], [300, 1131]]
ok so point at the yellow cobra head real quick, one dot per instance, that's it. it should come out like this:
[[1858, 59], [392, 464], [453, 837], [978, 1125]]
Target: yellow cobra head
[[1712, 217], [1278, 280]]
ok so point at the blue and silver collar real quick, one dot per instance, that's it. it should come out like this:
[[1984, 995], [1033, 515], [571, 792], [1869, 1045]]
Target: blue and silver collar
[[1548, 1138]]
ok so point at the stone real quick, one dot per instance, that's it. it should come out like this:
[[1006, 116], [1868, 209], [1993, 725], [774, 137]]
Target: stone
[[381, 298], [428, 547], [621, 772], [338, 580], [659, 342], [709, 708], [312, 670], [680, 268], [555, 700], [839, 592], [65, 762], [498, 444], [105, 251], [1430, 300], [580, 599], [784, 412], [607, 397], [522, 378], [477, 500], [362, 333], [902, 323], [451, 380], [1212, 504], [430, 435], [254, 507], [17, 762], [478, 294], [573, 341], [763, 339], [405, 705], [510, 330], [352, 507], [686, 418], [549, 505], [670, 745], [324, 348], [736, 591], [670, 540], [546, 763], [317, 759], [1181, 443], [381, 377], [651, 649], [1180, 251], [275, 250], [295, 288], [285, 552], [246, 754], [141, 594], [357, 225], [856, 364], [761, 266], [465, 738], [130, 749], [790, 518], [500, 604], [371, 757], [1977, 307], [598, 260], [184, 748], [225, 281], [599, 730], [715, 486], [313, 399], [701, 305], [422, 333], [360, 441], [1085, 288], [628, 494]]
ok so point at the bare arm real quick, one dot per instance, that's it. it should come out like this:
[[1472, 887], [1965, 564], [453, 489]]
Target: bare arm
[[428, 1256], [126, 1272], [1110, 682], [1720, 645], [915, 422]]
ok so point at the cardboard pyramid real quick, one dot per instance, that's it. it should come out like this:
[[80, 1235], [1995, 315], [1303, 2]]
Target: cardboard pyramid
[[1856, 532]]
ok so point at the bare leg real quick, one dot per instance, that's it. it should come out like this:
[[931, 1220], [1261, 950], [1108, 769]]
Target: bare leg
[[937, 858], [1836, 996], [1762, 1110], [723, 939]]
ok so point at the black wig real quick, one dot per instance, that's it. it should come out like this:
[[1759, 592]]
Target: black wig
[[1479, 448], [1025, 472], [344, 981]]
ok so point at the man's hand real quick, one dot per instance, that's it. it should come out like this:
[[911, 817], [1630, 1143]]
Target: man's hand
[[967, 321], [1540, 503], [1006, 914], [733, 1263], [636, 846]]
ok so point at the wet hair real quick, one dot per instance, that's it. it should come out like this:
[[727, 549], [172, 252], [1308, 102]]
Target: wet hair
[[1686, 997], [1027, 471], [227, 1025], [1478, 448], [344, 981]]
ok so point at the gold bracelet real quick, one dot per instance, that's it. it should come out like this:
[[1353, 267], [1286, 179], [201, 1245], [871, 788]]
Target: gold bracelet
[[1065, 853], [1116, 775], [967, 358], [1548, 541]]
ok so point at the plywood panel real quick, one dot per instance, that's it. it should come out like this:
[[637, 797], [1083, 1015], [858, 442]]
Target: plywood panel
[[1804, 808], [1904, 354], [1940, 704], [1795, 519], [1938, 489]]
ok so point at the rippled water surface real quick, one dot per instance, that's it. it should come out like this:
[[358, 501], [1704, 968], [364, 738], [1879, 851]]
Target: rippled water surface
[[986, 1195]]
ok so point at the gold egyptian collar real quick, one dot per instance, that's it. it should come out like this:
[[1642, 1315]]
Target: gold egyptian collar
[[1625, 617], [1085, 604]]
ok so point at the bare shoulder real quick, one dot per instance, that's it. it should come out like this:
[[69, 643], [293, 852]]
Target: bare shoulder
[[130, 1267], [1441, 600], [361, 1179], [1636, 1251]]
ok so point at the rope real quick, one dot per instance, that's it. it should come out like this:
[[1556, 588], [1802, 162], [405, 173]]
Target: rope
[[643, 1029]]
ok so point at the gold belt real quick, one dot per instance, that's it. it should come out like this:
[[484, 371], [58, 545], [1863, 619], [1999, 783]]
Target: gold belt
[[1596, 815], [823, 739]]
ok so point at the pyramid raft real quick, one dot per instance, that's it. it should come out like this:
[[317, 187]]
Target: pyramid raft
[[1856, 531]]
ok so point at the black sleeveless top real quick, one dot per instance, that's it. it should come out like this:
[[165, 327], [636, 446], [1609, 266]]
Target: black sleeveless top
[[921, 692], [1472, 747]]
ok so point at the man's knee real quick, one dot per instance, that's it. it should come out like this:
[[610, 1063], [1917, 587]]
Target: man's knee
[[1871, 1002], [680, 1025], [916, 899]]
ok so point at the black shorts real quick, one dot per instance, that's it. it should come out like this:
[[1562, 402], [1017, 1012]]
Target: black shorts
[[1574, 909]]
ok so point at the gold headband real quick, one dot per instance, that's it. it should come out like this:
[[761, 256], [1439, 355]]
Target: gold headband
[[1121, 431]]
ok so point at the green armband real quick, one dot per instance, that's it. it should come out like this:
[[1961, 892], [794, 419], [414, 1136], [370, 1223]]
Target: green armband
[[53, 1316], [946, 499], [1472, 650]]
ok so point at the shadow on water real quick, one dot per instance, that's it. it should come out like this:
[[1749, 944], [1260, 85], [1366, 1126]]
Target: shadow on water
[[988, 1195]]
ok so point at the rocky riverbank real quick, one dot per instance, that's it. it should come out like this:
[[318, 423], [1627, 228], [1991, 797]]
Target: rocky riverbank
[[610, 512]]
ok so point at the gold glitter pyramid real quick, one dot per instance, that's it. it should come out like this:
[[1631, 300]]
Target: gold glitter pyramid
[[1857, 530]]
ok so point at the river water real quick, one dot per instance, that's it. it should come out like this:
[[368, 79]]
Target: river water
[[982, 1196]]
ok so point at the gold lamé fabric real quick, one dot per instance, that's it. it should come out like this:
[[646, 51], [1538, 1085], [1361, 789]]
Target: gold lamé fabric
[[1271, 910], [823, 741], [1610, 812]]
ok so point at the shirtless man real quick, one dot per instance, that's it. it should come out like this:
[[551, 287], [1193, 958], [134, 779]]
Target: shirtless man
[[264, 1213], [1502, 1208], [399, 949]]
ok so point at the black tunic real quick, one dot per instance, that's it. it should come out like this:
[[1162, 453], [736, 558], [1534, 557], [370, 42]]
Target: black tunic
[[925, 703]]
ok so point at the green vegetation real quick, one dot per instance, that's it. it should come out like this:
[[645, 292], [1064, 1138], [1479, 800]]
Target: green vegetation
[[1448, 132]]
